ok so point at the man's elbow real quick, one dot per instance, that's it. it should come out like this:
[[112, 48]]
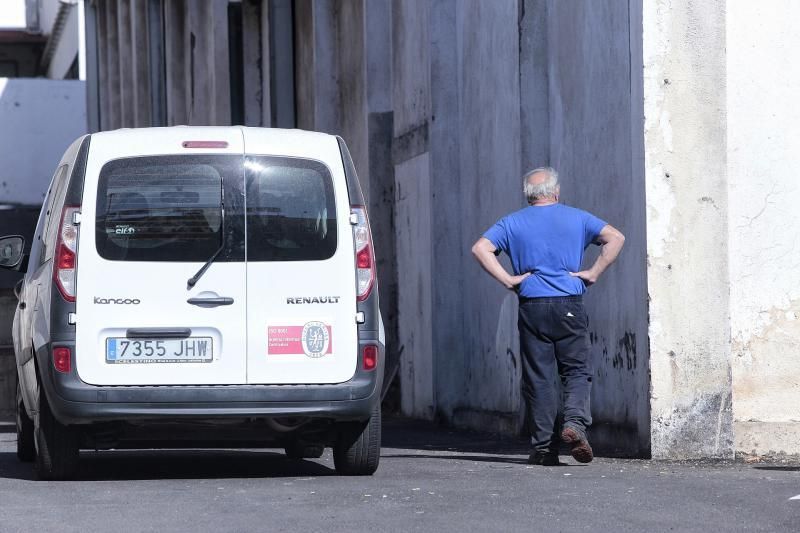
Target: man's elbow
[[620, 238], [476, 249]]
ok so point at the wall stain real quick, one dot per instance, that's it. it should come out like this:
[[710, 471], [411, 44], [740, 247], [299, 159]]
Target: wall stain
[[707, 200], [510, 353], [625, 357]]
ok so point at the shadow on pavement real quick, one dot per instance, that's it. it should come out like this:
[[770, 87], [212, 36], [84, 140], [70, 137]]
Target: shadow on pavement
[[402, 439], [779, 468], [176, 464], [13, 468], [407, 434], [475, 458]]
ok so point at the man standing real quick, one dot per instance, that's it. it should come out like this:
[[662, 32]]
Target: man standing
[[545, 242]]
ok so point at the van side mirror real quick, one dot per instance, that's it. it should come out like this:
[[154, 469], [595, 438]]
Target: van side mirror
[[12, 252]]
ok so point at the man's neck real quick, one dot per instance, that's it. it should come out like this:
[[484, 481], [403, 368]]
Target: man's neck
[[540, 203]]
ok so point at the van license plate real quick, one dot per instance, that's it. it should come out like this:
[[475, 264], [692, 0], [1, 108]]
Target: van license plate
[[138, 351]]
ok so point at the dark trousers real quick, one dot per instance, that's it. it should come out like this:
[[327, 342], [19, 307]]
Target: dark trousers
[[553, 335]]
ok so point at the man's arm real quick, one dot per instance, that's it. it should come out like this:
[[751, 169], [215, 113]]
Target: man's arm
[[484, 250], [612, 240]]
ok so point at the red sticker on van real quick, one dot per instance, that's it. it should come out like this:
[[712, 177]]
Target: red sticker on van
[[314, 339]]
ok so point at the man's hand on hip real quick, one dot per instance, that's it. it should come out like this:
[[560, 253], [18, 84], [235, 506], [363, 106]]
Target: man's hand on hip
[[515, 281], [484, 252], [588, 276], [612, 241]]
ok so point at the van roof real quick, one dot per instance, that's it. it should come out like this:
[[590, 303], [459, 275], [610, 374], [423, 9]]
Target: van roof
[[180, 132], [136, 142]]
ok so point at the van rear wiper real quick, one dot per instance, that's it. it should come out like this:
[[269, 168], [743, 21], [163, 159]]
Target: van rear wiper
[[194, 279]]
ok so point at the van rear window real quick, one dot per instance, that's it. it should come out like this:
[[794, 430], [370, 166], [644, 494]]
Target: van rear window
[[169, 208], [161, 208], [291, 209]]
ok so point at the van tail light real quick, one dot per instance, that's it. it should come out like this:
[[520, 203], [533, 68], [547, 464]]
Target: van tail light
[[62, 359], [370, 357], [66, 249], [365, 255]]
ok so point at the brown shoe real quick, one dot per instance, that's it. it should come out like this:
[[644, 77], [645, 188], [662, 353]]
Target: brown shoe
[[581, 451]]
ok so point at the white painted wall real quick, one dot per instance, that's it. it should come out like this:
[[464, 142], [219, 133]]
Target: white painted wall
[[722, 132], [39, 118], [764, 192]]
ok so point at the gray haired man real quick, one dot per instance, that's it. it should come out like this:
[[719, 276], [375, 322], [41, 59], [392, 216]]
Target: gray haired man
[[545, 242]]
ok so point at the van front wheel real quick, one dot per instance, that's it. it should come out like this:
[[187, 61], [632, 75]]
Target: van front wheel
[[358, 446], [56, 446]]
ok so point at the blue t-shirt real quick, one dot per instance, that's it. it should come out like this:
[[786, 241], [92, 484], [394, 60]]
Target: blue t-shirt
[[548, 241]]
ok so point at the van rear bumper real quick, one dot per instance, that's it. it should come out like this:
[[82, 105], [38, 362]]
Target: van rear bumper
[[73, 401]]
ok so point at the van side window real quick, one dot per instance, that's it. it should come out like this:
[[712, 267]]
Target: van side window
[[53, 214], [291, 209], [163, 208]]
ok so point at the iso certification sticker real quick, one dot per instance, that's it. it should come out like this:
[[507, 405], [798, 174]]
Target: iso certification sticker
[[316, 339]]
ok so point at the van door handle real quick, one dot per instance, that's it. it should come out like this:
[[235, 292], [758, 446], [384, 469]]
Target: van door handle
[[158, 333], [211, 302]]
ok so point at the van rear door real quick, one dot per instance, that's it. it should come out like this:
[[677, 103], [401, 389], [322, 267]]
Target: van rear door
[[148, 224], [301, 301]]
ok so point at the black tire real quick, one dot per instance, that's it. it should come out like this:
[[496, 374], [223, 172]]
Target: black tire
[[56, 446], [302, 450], [26, 447], [357, 451]]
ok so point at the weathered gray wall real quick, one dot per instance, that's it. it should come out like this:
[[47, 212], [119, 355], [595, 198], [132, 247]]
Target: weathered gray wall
[[482, 92], [479, 382], [456, 151], [196, 58], [596, 143]]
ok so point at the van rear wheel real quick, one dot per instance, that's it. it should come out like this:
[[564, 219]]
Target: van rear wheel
[[56, 446], [357, 451], [26, 447]]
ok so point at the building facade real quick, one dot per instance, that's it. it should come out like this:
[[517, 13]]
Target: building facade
[[666, 118]]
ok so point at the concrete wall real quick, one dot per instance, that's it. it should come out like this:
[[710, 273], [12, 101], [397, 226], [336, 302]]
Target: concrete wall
[[687, 228], [39, 119], [763, 167]]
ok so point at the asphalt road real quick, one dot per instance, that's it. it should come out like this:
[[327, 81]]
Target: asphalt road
[[430, 479]]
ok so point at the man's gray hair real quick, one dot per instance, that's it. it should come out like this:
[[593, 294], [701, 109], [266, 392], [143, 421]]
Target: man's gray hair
[[546, 189]]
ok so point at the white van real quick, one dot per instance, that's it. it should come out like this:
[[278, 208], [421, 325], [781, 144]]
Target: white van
[[213, 284]]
